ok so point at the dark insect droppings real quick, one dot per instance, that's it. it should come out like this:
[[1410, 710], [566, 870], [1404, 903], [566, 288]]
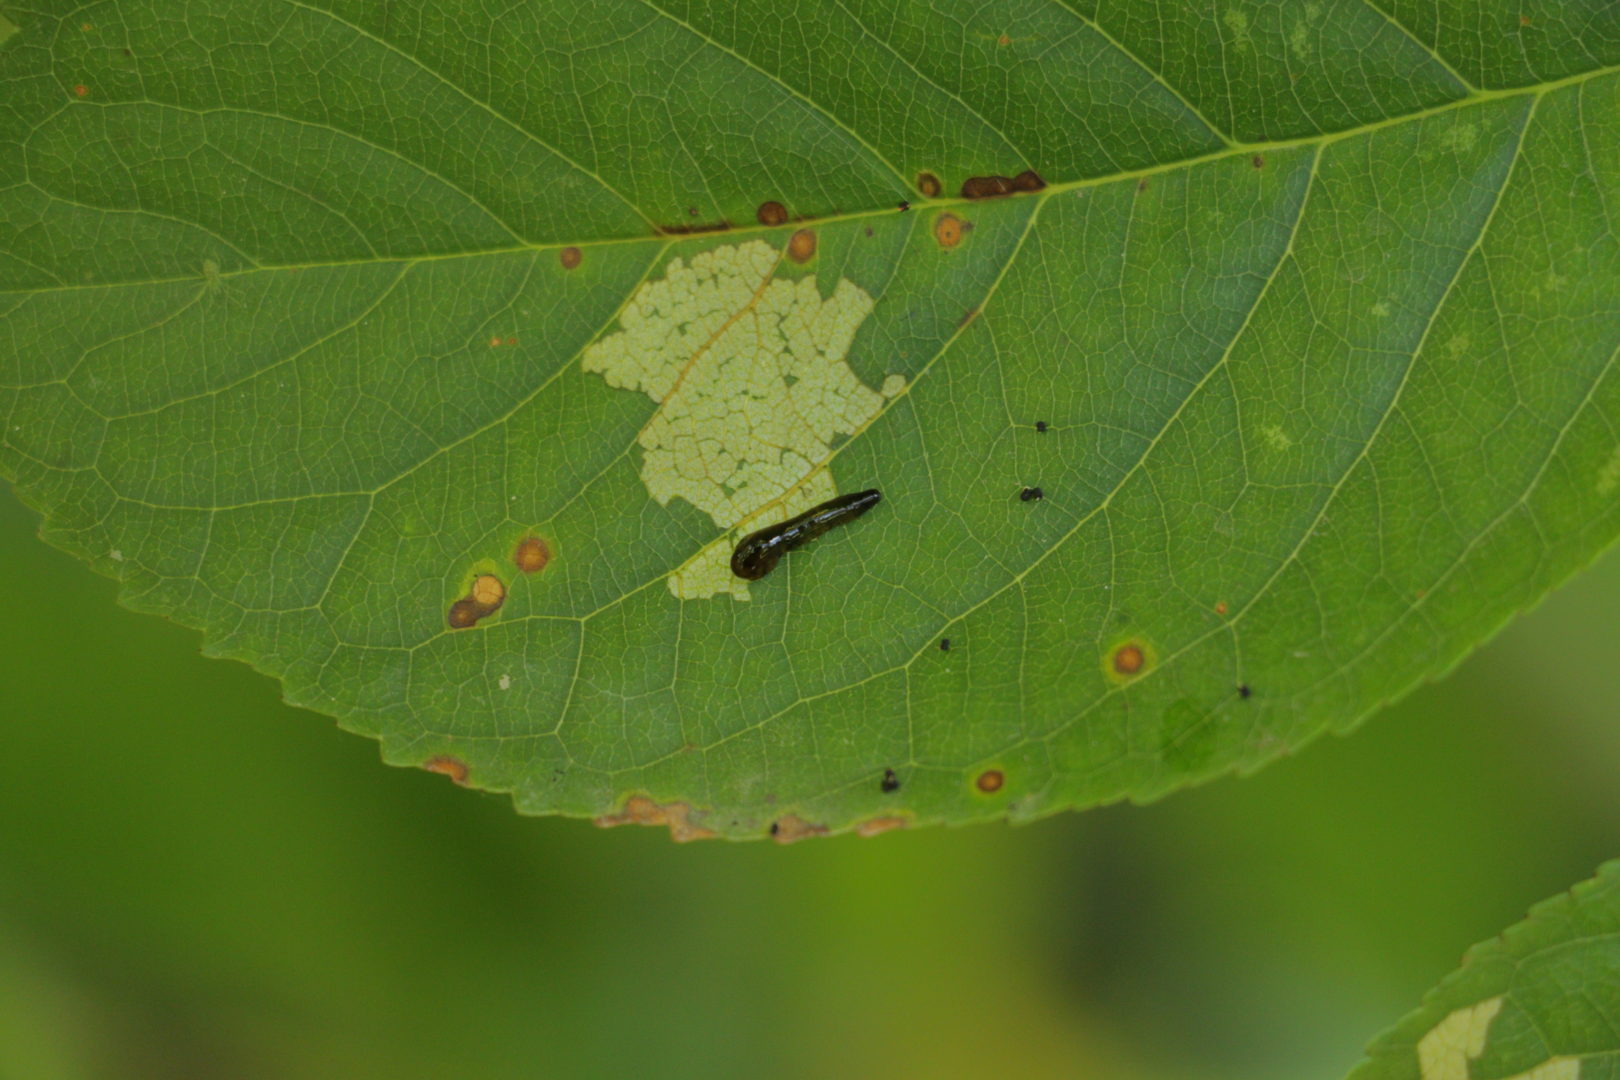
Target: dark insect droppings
[[891, 782], [758, 552], [944, 644], [1244, 691], [1040, 426], [1030, 494]]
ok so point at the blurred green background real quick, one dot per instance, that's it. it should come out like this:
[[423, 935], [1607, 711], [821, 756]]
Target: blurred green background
[[198, 881]]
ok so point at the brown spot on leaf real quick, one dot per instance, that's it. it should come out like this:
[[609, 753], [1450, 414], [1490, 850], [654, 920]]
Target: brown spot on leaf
[[1004, 40], [929, 185], [802, 246], [1257, 161], [990, 187], [873, 826], [81, 89], [687, 230], [1220, 608], [771, 213], [1524, 20], [463, 613], [1142, 184], [792, 828], [531, 555], [1129, 659], [569, 257], [949, 230], [445, 765], [488, 592], [990, 781], [641, 810], [972, 313]]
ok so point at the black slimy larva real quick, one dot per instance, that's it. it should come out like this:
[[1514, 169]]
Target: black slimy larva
[[759, 552]]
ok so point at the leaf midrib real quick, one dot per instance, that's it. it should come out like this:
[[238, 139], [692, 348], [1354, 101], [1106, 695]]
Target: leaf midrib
[[1238, 149]]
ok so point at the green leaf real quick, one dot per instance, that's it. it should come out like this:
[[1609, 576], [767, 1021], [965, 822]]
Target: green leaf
[[1542, 1002], [313, 313]]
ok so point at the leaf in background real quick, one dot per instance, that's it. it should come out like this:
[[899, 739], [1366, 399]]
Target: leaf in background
[[433, 360], [1539, 1003]]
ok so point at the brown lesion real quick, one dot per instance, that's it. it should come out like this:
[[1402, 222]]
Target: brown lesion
[[950, 229], [445, 765], [990, 781], [990, 187], [531, 555], [693, 228], [771, 214], [485, 597], [642, 810], [874, 826], [928, 184], [802, 246], [791, 828], [570, 257]]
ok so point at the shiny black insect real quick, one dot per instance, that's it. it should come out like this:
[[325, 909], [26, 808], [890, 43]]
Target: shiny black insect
[[759, 552], [891, 782]]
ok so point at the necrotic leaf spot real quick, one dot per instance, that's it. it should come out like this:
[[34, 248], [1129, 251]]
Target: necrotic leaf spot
[[531, 554], [990, 781], [488, 592], [929, 185], [463, 613], [948, 230], [771, 213], [802, 246], [569, 257], [445, 765], [1128, 659], [759, 552]]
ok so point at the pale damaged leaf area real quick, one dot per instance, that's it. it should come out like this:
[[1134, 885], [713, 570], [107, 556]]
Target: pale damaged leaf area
[[1539, 1003], [749, 373], [1224, 373]]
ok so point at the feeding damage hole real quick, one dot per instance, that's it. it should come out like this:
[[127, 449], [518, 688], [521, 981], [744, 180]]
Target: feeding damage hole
[[445, 765], [949, 230], [990, 781], [569, 257], [748, 459], [771, 213], [641, 810], [990, 187], [802, 246], [891, 782], [531, 555], [929, 185], [485, 597]]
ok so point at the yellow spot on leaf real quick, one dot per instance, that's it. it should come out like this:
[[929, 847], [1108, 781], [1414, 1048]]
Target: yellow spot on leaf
[[753, 388], [1608, 478], [1277, 437], [1444, 1053]]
